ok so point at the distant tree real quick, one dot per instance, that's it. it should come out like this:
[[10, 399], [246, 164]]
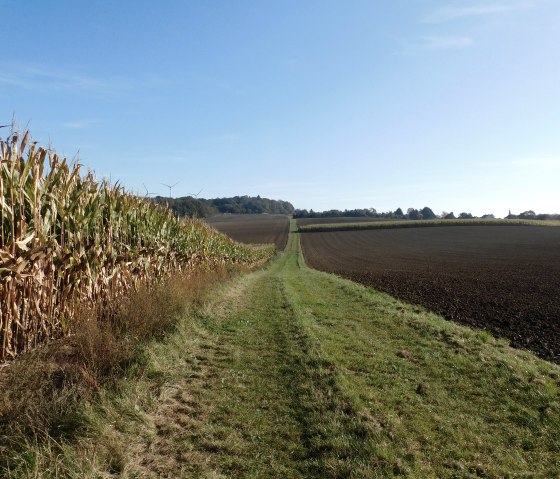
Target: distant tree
[[188, 206], [528, 214], [465, 215], [548, 216], [488, 216], [427, 213], [413, 214], [399, 213], [449, 216], [301, 214]]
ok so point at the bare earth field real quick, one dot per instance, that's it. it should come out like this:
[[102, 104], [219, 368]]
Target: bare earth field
[[253, 229], [502, 279]]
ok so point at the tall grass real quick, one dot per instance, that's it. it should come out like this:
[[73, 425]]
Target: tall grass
[[68, 240]]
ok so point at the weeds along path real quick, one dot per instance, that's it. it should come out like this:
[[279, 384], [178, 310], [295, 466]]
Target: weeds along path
[[296, 373]]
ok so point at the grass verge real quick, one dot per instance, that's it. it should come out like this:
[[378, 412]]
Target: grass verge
[[50, 397], [441, 400]]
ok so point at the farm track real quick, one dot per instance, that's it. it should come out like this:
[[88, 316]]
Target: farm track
[[502, 279], [253, 229], [257, 397], [292, 373]]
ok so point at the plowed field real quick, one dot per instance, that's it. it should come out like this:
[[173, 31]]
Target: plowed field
[[505, 279], [253, 229]]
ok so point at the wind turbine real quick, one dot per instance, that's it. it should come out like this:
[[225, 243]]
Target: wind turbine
[[170, 187], [148, 193], [196, 194]]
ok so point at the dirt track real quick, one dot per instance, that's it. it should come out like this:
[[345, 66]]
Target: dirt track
[[503, 279], [253, 229]]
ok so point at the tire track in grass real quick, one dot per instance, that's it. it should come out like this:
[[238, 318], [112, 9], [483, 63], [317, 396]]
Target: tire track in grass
[[285, 409], [259, 399], [231, 415], [173, 444], [297, 373]]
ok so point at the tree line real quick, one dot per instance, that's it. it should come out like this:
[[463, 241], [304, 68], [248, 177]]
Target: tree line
[[189, 206], [411, 213], [425, 213], [531, 215]]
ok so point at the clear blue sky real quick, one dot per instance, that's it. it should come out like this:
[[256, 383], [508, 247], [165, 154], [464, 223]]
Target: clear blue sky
[[327, 104]]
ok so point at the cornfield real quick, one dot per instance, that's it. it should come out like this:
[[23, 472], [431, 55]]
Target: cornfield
[[69, 240]]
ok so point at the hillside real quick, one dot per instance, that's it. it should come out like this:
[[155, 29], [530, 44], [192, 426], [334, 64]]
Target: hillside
[[189, 206]]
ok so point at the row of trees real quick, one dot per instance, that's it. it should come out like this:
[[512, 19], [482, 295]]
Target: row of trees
[[411, 213], [425, 213], [203, 208], [531, 215]]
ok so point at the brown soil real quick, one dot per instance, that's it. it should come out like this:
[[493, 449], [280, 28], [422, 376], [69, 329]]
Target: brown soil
[[502, 279], [254, 229]]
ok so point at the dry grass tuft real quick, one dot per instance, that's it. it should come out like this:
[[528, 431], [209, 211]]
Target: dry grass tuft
[[44, 391]]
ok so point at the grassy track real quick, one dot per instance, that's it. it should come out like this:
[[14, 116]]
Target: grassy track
[[309, 375], [290, 372]]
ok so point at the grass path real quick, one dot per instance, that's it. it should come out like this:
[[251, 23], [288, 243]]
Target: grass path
[[260, 400], [296, 373]]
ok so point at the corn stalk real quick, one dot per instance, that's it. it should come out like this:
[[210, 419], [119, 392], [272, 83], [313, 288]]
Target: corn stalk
[[68, 240]]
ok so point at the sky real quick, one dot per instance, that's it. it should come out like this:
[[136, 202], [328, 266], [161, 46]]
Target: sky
[[328, 104]]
